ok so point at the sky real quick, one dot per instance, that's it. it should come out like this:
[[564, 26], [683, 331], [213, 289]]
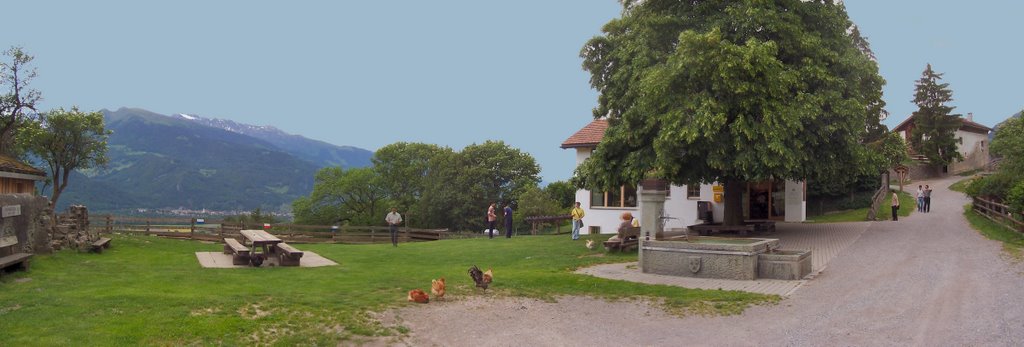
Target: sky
[[453, 73]]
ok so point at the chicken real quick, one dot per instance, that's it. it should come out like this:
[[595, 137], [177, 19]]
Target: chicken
[[482, 279], [437, 288], [590, 244], [418, 295]]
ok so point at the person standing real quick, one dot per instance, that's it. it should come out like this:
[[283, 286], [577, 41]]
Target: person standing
[[927, 199], [508, 220], [920, 199], [577, 220], [895, 206], [393, 219], [492, 218]]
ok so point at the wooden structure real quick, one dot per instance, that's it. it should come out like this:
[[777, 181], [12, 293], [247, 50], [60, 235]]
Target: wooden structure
[[216, 231], [239, 253], [999, 213], [17, 177], [287, 255], [628, 238], [537, 221], [11, 258], [99, 245], [749, 226]]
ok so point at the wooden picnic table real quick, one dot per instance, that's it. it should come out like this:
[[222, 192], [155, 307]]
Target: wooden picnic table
[[262, 239]]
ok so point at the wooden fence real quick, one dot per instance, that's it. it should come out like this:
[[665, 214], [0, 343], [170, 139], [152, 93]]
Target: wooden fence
[[216, 231], [538, 221], [999, 213]]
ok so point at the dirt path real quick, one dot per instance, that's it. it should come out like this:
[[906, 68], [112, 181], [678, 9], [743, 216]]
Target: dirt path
[[926, 280]]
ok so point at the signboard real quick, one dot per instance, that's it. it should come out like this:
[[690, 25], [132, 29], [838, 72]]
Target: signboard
[[266, 225], [717, 189], [200, 221], [11, 211]]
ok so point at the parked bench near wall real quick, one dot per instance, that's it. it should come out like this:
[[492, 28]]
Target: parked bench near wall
[[624, 240], [10, 259], [99, 245], [240, 254]]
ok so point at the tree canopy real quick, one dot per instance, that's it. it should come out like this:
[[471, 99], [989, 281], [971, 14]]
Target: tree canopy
[[66, 140], [729, 91], [934, 134], [18, 103]]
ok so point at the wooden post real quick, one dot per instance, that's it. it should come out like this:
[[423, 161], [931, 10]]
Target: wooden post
[[147, 225], [192, 232], [110, 224]]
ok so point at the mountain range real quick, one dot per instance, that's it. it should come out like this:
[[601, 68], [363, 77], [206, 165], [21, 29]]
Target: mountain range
[[189, 162]]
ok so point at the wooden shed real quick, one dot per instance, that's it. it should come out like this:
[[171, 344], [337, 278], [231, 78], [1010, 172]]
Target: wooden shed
[[18, 177]]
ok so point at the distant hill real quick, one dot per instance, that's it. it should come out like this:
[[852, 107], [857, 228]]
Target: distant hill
[[159, 161]]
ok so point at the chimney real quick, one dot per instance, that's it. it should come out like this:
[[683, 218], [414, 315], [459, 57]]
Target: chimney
[[970, 116]]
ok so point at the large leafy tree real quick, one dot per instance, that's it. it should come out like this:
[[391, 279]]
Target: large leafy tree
[[66, 140], [728, 91], [354, 195], [18, 101], [402, 167], [934, 134]]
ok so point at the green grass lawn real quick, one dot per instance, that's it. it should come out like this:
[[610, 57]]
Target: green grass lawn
[[152, 291], [961, 185], [1013, 242], [908, 204]]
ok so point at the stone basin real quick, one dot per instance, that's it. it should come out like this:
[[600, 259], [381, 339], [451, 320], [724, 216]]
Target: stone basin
[[705, 257]]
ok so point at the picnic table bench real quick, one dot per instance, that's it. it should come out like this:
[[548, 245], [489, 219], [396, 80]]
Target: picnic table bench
[[287, 255], [98, 245], [627, 238], [240, 253], [21, 260]]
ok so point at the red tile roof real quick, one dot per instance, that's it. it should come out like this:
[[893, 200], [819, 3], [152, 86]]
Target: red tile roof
[[589, 136], [8, 164], [967, 125]]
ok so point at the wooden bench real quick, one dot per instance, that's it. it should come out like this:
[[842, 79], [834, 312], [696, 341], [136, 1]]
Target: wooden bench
[[762, 226], [287, 255], [98, 245], [21, 260], [628, 238], [240, 253]]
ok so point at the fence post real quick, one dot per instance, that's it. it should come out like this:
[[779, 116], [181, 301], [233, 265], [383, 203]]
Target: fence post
[[192, 232], [147, 225], [110, 224]]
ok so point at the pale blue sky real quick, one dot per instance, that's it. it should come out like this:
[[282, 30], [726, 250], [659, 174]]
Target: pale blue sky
[[370, 73]]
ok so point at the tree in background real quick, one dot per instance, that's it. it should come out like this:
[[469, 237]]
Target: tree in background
[[536, 202], [934, 127], [460, 186], [354, 195], [256, 216], [66, 141], [402, 168], [17, 105], [728, 91], [1007, 183], [562, 192]]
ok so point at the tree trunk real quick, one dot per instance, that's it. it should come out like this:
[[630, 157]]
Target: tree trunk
[[733, 202]]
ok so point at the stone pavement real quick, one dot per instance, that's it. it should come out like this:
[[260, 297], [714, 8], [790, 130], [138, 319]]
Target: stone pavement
[[824, 240]]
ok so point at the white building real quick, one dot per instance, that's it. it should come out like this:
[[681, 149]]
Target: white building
[[783, 201], [972, 143]]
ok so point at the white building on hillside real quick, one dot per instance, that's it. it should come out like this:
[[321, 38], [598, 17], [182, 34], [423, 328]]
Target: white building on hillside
[[773, 200], [973, 143]]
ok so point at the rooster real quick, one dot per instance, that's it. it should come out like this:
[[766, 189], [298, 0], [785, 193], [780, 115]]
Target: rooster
[[437, 288], [418, 295], [590, 244], [482, 279]]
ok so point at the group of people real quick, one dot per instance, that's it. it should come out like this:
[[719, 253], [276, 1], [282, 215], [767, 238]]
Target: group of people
[[924, 201], [394, 219]]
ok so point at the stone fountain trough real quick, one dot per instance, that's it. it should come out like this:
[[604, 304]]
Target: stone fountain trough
[[723, 257]]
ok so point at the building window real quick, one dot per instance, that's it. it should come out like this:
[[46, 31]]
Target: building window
[[595, 229], [625, 196], [693, 191]]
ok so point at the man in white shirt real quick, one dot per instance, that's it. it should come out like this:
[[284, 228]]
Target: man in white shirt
[[394, 219]]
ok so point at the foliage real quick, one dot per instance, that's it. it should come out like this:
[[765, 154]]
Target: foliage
[[934, 134], [961, 185], [67, 140], [460, 186], [18, 103], [402, 167], [562, 192], [728, 91], [1007, 183], [907, 206], [536, 202], [355, 196], [1013, 241], [150, 291]]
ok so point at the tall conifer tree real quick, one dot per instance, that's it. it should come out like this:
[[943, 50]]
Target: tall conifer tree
[[934, 126]]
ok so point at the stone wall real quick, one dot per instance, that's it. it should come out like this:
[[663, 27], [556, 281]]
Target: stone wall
[[28, 218], [72, 230]]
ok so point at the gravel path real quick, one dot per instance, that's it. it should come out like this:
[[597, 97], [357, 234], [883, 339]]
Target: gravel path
[[926, 280]]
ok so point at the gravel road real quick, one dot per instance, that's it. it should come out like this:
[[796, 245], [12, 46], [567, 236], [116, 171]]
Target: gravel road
[[926, 280]]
